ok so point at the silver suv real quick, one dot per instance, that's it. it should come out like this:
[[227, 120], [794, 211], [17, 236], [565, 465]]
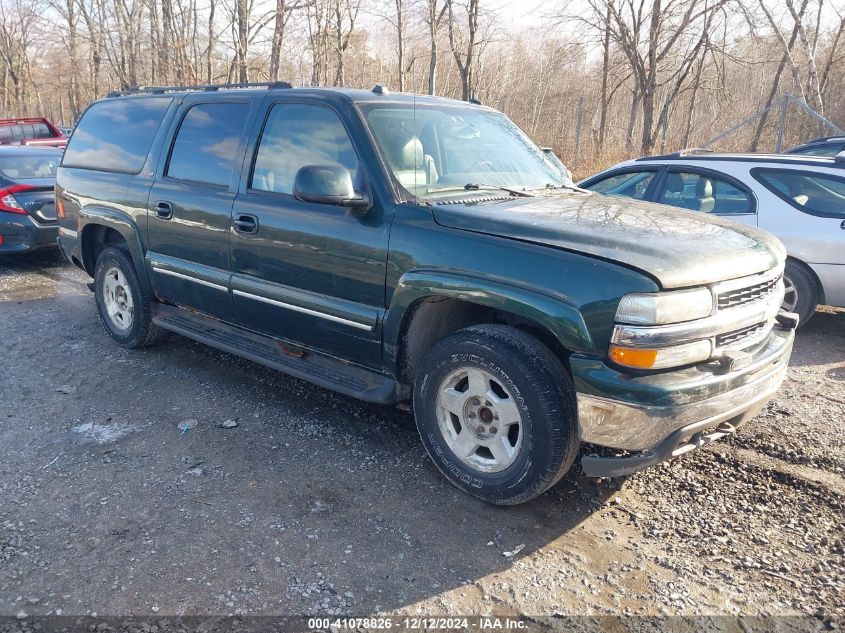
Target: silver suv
[[800, 199]]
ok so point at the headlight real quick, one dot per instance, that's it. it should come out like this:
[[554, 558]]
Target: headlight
[[660, 358], [665, 307]]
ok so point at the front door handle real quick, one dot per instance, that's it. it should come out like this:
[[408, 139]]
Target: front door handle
[[164, 210], [246, 223]]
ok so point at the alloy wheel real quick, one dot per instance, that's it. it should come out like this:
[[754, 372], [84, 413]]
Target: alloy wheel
[[479, 419], [117, 299]]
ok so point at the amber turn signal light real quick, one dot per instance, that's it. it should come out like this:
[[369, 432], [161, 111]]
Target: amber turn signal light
[[632, 357]]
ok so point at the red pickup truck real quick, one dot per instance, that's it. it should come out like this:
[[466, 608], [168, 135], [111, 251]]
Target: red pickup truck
[[31, 131]]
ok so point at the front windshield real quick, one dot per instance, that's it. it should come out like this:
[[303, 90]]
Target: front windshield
[[440, 152]]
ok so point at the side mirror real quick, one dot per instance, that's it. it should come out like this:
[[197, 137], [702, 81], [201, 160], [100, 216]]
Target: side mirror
[[328, 184]]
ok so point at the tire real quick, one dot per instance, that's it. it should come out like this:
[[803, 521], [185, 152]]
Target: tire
[[527, 382], [125, 311], [802, 294]]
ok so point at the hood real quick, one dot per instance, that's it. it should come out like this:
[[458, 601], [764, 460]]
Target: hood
[[678, 248]]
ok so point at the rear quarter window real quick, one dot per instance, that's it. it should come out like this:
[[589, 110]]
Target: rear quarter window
[[29, 166], [116, 134], [811, 192]]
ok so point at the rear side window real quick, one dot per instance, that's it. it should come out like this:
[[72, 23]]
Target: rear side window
[[40, 130], [704, 192], [11, 133], [206, 145], [807, 191], [116, 134]]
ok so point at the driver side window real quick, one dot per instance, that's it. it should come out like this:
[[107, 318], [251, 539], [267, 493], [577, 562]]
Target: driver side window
[[297, 135]]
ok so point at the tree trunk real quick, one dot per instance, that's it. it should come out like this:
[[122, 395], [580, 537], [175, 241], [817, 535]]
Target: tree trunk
[[605, 69], [278, 38], [400, 40], [242, 25], [650, 86], [433, 23], [209, 78]]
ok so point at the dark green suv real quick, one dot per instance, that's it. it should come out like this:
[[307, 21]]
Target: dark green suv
[[398, 247]]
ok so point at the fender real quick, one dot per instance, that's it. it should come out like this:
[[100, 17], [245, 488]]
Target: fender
[[124, 224], [553, 313]]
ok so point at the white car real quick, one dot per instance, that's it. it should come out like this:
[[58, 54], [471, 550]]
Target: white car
[[800, 199]]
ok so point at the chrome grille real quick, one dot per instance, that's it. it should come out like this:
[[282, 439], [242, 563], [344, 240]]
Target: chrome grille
[[736, 338], [741, 296]]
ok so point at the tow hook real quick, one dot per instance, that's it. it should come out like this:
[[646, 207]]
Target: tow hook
[[735, 360], [787, 320]]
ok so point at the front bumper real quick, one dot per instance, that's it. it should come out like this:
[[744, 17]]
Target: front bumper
[[678, 411], [21, 233]]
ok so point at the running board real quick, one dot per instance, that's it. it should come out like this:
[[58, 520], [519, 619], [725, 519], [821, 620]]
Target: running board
[[316, 368]]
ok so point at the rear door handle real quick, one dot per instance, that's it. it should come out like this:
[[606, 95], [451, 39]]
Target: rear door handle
[[246, 223], [164, 210]]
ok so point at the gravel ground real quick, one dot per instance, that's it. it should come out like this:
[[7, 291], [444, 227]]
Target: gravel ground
[[289, 499]]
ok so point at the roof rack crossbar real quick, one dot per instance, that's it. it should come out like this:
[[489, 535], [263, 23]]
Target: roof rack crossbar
[[159, 90], [689, 151]]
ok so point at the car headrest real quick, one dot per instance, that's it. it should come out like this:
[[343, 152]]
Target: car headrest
[[704, 188], [674, 183], [409, 155]]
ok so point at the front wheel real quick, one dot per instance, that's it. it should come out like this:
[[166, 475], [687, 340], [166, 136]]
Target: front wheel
[[801, 292], [496, 412]]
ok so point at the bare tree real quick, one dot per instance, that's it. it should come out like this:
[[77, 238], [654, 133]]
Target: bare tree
[[67, 10], [656, 40], [433, 19], [464, 43], [18, 21], [284, 10], [241, 18], [644, 73], [345, 13]]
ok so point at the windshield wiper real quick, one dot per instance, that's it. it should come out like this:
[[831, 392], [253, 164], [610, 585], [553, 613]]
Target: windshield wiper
[[473, 186]]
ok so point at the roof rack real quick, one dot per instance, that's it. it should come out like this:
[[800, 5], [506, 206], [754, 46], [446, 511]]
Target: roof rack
[[689, 151], [160, 90]]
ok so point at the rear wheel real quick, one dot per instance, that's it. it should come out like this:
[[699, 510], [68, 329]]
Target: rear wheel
[[496, 412], [125, 311], [802, 295]]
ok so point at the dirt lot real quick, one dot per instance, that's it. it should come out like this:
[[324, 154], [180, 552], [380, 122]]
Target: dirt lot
[[316, 503]]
